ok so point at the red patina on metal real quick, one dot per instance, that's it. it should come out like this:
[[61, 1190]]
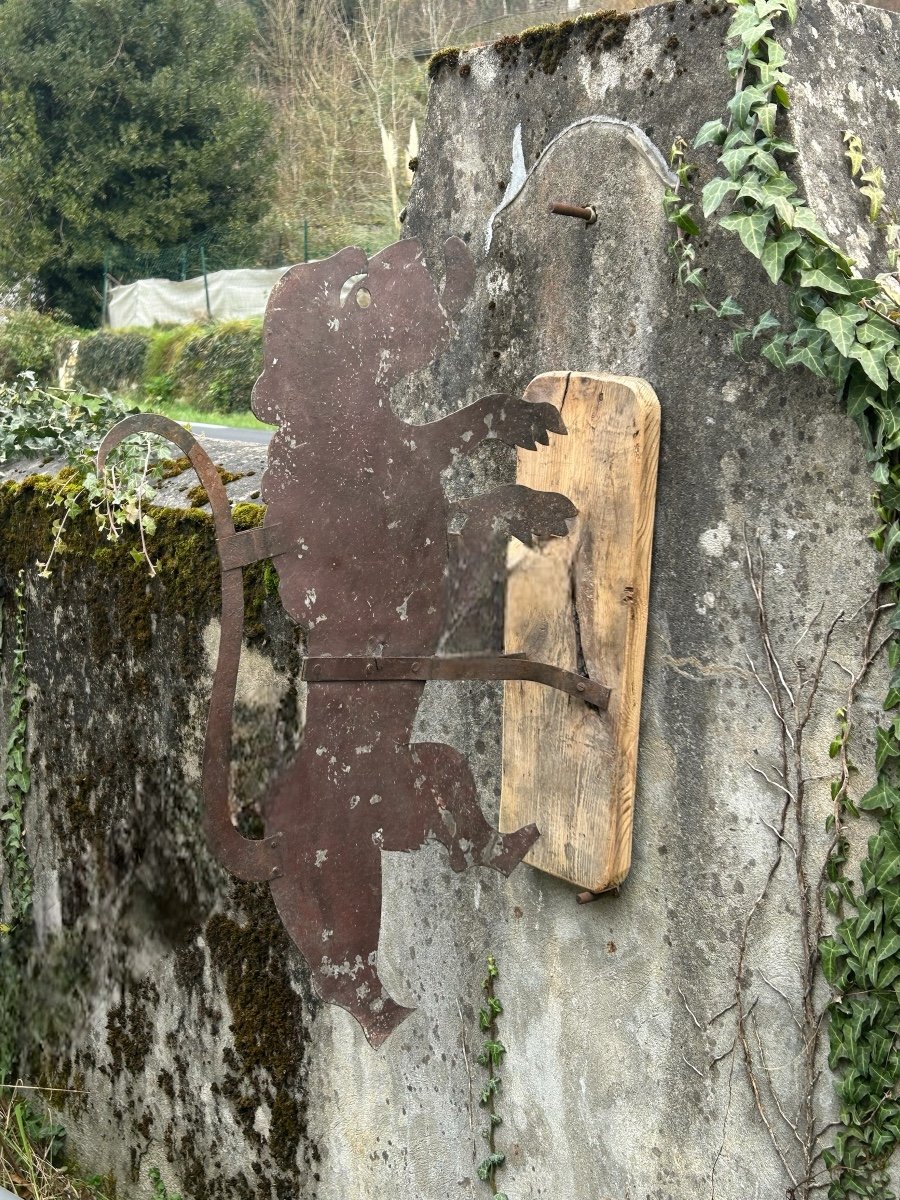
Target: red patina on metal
[[357, 526]]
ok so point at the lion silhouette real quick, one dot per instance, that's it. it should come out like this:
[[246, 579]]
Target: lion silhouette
[[357, 526]]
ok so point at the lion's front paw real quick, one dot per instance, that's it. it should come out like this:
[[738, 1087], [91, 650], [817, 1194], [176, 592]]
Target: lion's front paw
[[540, 515], [523, 423]]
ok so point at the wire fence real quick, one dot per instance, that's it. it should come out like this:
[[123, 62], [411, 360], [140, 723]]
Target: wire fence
[[208, 258]]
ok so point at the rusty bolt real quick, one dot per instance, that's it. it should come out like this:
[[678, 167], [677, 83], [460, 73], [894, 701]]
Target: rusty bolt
[[414, 667], [579, 687], [587, 897], [562, 209]]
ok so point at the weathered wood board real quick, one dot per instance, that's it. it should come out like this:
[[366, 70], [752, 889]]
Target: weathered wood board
[[581, 602]]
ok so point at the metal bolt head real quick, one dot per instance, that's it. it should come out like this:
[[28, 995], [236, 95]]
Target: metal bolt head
[[580, 687]]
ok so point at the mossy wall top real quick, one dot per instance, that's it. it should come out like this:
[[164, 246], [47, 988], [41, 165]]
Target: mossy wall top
[[164, 999]]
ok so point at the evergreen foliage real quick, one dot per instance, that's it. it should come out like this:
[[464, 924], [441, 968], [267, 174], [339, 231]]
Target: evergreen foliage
[[122, 123]]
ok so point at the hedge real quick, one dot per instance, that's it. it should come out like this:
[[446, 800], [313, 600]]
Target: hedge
[[33, 341], [216, 367], [211, 367], [112, 361]]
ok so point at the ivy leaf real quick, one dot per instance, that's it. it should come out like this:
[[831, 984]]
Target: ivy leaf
[[875, 197], [775, 254], [779, 91], [715, 192], [877, 329], [775, 52], [754, 189], [686, 222], [741, 105], [804, 356], [711, 132], [872, 363], [892, 538], [780, 146], [888, 947], [781, 185], [892, 362], [880, 798], [750, 227], [825, 278], [837, 367], [737, 137], [859, 394], [839, 327], [885, 747], [735, 160], [753, 36], [831, 954], [734, 57], [745, 18], [776, 352], [785, 210], [891, 900], [765, 162], [766, 322], [854, 151], [729, 308], [805, 218], [767, 114]]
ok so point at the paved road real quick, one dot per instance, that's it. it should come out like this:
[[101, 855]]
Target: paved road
[[231, 433]]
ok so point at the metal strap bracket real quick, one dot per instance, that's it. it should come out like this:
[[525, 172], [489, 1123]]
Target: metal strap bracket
[[456, 666]]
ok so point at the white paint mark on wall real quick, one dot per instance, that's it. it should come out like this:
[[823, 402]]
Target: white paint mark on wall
[[714, 542]]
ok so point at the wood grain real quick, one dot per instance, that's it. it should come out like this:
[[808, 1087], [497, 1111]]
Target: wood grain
[[581, 602]]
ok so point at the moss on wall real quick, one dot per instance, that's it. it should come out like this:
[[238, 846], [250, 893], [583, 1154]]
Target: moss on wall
[[268, 1021], [117, 684], [124, 601], [546, 45]]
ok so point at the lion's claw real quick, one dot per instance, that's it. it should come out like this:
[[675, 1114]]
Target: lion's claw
[[524, 423]]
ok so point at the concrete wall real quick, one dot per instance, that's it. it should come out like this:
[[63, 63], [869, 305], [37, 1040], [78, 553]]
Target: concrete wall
[[170, 997]]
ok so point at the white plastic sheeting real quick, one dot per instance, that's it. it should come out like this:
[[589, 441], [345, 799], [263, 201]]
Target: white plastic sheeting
[[232, 294]]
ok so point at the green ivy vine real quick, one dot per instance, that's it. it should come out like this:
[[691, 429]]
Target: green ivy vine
[[46, 423], [17, 778], [844, 328], [491, 1057]]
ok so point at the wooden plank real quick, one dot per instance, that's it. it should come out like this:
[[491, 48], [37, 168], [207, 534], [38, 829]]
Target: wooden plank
[[581, 602]]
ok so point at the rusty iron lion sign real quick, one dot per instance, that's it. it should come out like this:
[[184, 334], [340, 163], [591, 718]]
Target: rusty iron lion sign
[[358, 529]]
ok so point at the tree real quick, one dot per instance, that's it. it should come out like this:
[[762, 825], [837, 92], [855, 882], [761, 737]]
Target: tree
[[124, 125], [344, 94]]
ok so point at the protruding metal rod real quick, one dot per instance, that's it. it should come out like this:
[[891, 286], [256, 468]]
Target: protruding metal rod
[[562, 209], [588, 897]]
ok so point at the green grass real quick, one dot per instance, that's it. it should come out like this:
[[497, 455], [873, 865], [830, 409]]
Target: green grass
[[188, 415], [31, 1158]]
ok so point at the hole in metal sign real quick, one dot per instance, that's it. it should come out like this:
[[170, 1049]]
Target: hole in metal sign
[[348, 286]]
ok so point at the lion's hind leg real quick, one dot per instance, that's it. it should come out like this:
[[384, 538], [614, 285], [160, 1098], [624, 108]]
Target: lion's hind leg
[[445, 801]]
